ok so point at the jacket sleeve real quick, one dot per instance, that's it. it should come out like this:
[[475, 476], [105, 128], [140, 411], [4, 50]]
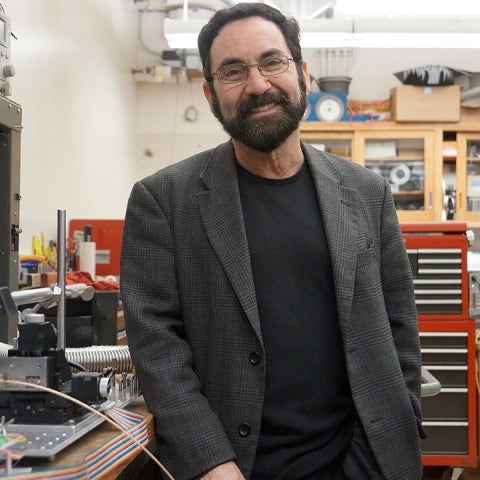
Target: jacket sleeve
[[191, 439], [399, 297]]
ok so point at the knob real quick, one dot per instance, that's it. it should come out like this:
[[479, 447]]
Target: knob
[[8, 70]]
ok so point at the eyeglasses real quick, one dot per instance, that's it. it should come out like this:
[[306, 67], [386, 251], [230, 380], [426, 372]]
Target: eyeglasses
[[239, 72]]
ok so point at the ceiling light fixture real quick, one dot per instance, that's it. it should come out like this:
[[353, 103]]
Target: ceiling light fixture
[[182, 34], [331, 33]]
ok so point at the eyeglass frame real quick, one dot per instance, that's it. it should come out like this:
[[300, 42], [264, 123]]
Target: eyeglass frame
[[248, 67]]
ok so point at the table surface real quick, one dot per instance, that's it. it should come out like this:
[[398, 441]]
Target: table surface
[[75, 453]]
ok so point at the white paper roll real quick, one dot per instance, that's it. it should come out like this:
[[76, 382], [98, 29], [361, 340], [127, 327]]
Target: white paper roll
[[87, 252], [400, 174]]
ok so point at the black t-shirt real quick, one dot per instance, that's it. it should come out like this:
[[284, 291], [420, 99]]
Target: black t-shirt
[[307, 415]]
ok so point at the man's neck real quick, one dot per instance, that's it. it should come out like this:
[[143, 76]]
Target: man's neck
[[283, 162]]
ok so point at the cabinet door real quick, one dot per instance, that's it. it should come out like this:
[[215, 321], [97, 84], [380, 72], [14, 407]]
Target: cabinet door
[[405, 160], [468, 178], [337, 143]]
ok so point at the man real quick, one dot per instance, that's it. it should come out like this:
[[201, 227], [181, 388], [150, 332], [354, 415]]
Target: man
[[267, 292]]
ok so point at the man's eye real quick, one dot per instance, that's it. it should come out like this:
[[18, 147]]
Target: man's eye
[[233, 71], [272, 63]]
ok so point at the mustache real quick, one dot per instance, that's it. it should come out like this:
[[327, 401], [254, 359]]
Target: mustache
[[259, 101]]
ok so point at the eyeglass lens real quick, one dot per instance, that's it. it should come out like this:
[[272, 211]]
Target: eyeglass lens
[[238, 72]]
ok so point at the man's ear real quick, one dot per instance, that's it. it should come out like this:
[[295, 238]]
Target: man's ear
[[208, 94], [307, 77]]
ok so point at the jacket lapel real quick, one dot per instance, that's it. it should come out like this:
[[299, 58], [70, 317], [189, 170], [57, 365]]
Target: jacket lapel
[[338, 205], [221, 211], [223, 219]]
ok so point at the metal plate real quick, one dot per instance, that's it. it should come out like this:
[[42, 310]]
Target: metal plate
[[45, 441]]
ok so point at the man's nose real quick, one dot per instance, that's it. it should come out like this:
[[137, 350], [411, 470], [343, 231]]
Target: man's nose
[[256, 83]]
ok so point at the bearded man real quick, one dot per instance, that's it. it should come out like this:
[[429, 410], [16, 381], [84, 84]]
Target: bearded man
[[268, 296]]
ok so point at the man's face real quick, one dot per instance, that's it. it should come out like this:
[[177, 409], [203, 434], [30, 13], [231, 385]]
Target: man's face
[[260, 112]]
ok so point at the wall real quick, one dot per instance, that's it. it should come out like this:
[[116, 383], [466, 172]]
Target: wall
[[164, 134], [73, 64], [90, 130], [373, 70], [166, 138]]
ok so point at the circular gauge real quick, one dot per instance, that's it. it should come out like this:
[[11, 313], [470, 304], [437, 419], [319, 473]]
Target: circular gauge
[[330, 108]]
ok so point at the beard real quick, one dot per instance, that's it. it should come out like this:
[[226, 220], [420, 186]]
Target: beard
[[268, 133]]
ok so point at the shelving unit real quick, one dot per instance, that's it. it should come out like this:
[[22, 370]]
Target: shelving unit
[[418, 154], [468, 176]]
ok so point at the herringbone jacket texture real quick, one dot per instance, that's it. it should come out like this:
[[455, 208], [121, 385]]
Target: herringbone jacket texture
[[193, 324]]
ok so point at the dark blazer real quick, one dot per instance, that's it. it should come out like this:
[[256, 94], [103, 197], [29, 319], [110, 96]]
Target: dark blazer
[[194, 330]]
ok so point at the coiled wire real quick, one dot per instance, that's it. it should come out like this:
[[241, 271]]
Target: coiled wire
[[98, 357], [95, 358]]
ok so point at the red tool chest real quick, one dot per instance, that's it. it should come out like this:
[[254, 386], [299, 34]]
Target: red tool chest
[[438, 256]]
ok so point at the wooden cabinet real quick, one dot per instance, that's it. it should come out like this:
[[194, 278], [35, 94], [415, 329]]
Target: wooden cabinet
[[406, 160], [428, 183], [468, 176]]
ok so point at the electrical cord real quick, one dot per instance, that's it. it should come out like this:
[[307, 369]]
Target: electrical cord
[[77, 366], [118, 426]]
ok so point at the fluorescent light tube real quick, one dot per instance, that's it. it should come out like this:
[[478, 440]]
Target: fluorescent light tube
[[331, 33], [182, 34]]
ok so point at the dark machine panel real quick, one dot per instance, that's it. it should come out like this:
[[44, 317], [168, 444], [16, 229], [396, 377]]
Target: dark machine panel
[[10, 130]]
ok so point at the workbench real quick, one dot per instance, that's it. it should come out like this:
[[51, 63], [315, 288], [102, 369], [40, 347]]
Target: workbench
[[128, 467]]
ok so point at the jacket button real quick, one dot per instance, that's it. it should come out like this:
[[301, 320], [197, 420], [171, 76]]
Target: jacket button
[[244, 429], [255, 358]]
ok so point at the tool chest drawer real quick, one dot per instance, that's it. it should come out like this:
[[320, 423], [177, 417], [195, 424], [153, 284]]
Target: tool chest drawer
[[452, 340], [438, 259], [449, 404], [444, 354], [447, 417], [445, 438], [450, 376], [437, 278], [444, 349]]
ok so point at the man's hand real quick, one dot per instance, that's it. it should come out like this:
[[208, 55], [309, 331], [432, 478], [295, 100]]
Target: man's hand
[[225, 471]]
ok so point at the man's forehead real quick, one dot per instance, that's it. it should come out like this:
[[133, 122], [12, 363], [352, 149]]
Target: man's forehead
[[252, 36]]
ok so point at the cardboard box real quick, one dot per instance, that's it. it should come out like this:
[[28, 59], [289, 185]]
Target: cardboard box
[[411, 103], [410, 153], [48, 278], [380, 149], [33, 280], [449, 148]]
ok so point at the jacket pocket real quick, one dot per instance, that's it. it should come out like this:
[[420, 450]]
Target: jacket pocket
[[358, 462]]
